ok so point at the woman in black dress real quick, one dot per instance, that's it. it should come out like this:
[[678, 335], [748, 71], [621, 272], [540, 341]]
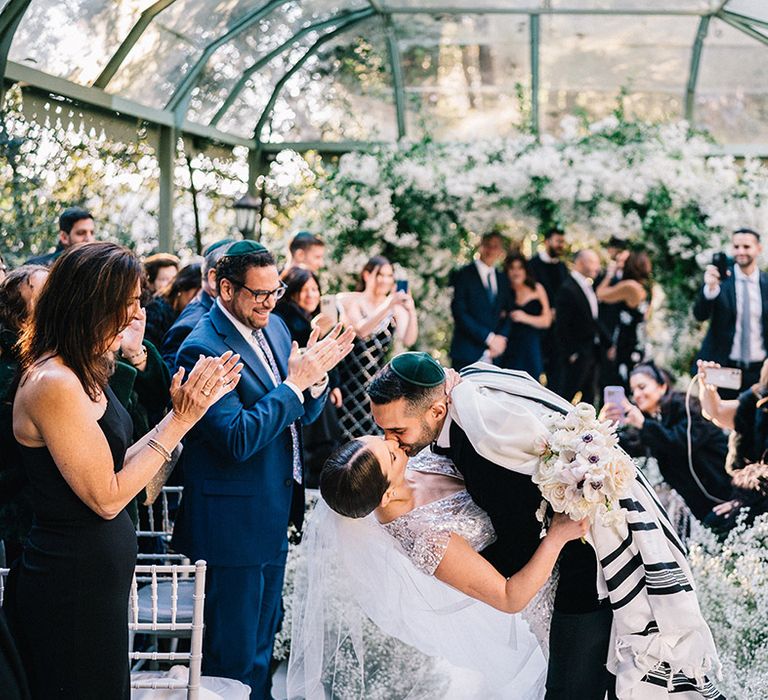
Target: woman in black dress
[[68, 594], [529, 315]]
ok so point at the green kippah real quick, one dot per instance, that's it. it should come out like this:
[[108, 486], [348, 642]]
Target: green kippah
[[217, 244], [418, 368], [245, 248]]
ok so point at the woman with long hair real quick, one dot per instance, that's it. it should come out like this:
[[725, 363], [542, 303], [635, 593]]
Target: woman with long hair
[[169, 302], [529, 314], [656, 425], [379, 315], [68, 594], [633, 293]]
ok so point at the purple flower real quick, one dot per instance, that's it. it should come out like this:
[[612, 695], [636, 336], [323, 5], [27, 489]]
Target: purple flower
[[587, 437], [593, 459]]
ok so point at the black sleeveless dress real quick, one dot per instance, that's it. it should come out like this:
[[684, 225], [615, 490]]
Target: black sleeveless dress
[[524, 342], [68, 594]]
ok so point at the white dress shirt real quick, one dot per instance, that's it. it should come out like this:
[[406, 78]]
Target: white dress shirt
[[247, 334], [589, 292], [488, 276]]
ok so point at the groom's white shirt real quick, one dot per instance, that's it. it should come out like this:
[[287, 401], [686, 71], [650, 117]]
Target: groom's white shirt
[[444, 439]]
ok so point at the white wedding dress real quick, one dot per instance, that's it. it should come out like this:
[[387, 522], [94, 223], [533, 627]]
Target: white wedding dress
[[355, 572]]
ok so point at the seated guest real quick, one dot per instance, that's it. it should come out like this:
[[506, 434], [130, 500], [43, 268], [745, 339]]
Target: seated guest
[[656, 425], [75, 226], [67, 597], [161, 270], [196, 308], [17, 298], [299, 309], [529, 314], [306, 250], [166, 306], [629, 296]]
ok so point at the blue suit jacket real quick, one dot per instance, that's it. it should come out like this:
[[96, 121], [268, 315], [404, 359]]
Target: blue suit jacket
[[238, 475], [182, 327], [474, 315]]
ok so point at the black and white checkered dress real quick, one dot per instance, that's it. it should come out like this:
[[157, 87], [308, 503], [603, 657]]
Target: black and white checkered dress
[[368, 356]]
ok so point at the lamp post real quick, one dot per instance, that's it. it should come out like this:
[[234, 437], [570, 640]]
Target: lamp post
[[247, 211]]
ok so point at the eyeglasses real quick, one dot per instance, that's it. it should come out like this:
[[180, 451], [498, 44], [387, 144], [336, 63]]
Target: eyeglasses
[[260, 296]]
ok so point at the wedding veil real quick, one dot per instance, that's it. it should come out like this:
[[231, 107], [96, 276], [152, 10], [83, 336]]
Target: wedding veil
[[353, 575]]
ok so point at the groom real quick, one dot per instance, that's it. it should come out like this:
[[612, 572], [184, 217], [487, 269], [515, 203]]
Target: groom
[[409, 401]]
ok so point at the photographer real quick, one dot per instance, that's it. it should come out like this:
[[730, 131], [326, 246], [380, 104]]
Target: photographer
[[736, 306], [656, 425]]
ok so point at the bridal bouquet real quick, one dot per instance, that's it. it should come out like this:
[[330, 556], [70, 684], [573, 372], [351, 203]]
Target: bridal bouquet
[[582, 471]]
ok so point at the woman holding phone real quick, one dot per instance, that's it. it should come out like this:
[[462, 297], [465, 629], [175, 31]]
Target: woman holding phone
[[655, 425], [380, 316]]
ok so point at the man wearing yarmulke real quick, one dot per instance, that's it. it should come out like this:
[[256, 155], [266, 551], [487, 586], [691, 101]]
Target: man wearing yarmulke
[[627, 626], [243, 471]]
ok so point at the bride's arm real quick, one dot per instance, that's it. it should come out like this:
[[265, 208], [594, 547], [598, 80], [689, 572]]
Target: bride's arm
[[463, 568]]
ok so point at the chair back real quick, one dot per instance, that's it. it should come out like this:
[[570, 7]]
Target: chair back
[[167, 619], [156, 527]]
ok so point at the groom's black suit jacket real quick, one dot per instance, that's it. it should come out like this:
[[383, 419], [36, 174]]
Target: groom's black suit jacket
[[511, 501]]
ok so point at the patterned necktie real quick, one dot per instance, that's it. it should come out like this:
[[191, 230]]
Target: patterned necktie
[[745, 353], [264, 345]]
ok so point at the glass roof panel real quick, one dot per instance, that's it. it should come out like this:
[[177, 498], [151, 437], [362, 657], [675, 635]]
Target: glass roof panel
[[171, 45], [73, 39], [732, 92], [585, 64], [230, 61], [463, 75], [757, 9], [628, 5], [344, 92]]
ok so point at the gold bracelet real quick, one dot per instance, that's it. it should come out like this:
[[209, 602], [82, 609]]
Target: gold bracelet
[[157, 447], [141, 354]]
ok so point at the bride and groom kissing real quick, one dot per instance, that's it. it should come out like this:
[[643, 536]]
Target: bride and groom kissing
[[587, 611]]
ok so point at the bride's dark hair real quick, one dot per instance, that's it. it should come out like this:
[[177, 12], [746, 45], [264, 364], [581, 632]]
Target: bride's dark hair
[[352, 482]]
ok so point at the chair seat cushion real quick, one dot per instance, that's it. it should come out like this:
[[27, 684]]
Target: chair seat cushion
[[211, 687], [184, 604]]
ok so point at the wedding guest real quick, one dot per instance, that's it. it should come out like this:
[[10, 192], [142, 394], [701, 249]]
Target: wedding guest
[[529, 314], [379, 315], [549, 269], [196, 308], [18, 293], [629, 296], [480, 294], [578, 330], [306, 250], [75, 226], [68, 595], [161, 270], [656, 425], [737, 308], [166, 306], [243, 475], [299, 309]]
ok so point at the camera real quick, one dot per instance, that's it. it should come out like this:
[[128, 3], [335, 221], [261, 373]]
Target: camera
[[722, 262]]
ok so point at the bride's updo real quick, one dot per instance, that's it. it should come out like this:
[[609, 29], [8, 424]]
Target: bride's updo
[[352, 482]]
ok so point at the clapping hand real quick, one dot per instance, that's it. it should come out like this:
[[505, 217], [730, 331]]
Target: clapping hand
[[209, 380], [133, 334], [309, 366]]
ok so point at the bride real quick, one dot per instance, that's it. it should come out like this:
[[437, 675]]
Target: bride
[[388, 532]]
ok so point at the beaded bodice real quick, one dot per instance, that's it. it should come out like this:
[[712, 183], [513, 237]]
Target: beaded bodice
[[424, 532]]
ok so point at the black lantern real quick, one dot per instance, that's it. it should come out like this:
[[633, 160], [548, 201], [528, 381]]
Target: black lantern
[[247, 210]]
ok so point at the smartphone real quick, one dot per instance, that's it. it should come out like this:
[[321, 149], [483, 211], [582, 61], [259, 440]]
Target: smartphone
[[722, 263], [401, 286], [329, 308], [615, 395], [723, 377]]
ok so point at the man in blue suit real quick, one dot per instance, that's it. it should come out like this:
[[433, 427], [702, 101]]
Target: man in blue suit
[[480, 293], [242, 468], [737, 308], [197, 308]]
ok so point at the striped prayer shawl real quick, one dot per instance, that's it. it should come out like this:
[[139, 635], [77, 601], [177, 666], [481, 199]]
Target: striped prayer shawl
[[660, 644]]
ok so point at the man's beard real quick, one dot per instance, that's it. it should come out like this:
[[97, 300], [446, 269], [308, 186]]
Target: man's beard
[[426, 437]]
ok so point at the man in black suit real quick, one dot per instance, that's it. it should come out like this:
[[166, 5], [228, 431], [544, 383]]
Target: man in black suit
[[549, 269], [415, 416], [737, 308], [579, 333], [480, 293]]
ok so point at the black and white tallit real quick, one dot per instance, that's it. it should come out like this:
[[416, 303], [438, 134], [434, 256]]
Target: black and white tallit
[[660, 644]]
